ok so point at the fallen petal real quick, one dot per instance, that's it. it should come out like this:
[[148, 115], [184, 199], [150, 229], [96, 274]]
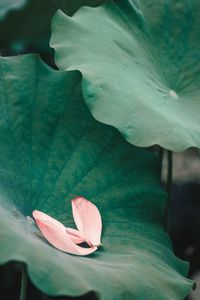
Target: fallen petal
[[42, 216], [88, 220], [75, 235], [58, 237]]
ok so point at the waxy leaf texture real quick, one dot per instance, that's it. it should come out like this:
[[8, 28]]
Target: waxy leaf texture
[[140, 62], [51, 150]]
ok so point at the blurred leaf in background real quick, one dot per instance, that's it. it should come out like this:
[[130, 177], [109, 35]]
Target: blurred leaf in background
[[8, 5], [27, 30]]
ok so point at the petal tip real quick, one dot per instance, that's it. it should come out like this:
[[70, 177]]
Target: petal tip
[[34, 214]]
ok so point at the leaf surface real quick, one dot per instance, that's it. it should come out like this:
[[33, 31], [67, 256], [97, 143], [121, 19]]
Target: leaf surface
[[140, 62], [51, 150]]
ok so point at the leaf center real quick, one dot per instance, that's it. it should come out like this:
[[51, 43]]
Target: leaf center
[[173, 94]]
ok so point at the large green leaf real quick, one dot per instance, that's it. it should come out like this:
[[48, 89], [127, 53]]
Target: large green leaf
[[140, 62], [51, 150]]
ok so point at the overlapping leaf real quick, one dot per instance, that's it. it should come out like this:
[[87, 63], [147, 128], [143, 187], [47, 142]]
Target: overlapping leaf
[[140, 62], [51, 150]]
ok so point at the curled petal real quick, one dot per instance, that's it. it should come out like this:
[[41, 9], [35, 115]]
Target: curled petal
[[88, 220], [56, 235], [42, 216], [75, 235]]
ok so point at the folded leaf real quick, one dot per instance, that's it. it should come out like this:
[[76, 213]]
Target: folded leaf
[[140, 62], [52, 150], [88, 220]]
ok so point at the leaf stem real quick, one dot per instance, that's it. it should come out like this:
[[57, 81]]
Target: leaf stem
[[169, 189], [24, 281], [169, 172], [160, 157]]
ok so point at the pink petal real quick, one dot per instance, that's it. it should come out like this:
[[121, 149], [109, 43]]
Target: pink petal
[[57, 236], [75, 235], [42, 216], [88, 220]]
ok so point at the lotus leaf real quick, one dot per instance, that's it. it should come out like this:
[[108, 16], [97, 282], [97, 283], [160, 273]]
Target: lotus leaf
[[140, 62], [51, 150]]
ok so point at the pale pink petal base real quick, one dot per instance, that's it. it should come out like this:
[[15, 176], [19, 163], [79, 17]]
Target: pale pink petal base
[[88, 220], [56, 234]]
